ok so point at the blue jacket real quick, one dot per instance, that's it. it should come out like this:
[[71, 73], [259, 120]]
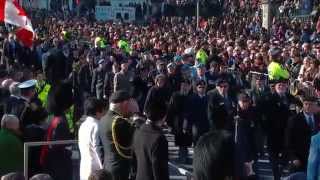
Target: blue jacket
[[314, 158]]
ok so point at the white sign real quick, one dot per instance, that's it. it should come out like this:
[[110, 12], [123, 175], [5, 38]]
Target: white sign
[[103, 13], [265, 15], [124, 13], [117, 3]]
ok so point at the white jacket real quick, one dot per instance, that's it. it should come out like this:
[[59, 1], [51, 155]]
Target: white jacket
[[89, 147]]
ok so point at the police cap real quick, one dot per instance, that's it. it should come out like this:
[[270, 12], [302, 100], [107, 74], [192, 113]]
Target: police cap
[[27, 84], [274, 51]]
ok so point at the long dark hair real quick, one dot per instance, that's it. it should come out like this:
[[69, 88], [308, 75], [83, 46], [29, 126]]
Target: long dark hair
[[213, 156], [60, 98]]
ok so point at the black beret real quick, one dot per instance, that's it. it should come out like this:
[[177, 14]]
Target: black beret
[[274, 51], [60, 97], [119, 96]]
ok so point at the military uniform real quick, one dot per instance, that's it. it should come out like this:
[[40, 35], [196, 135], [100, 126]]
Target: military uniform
[[259, 97], [25, 109], [116, 133], [277, 115], [220, 110]]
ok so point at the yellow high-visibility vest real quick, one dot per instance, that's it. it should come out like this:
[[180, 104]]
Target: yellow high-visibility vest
[[202, 56], [276, 71], [43, 91]]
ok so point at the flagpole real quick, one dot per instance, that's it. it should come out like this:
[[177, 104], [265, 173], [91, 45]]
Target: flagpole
[[197, 14], [2, 54]]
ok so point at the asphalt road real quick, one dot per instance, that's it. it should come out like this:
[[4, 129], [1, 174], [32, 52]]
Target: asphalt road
[[264, 170]]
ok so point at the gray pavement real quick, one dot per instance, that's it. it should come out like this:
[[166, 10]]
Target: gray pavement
[[264, 170]]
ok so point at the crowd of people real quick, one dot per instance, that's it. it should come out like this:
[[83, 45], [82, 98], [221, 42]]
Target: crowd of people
[[229, 89]]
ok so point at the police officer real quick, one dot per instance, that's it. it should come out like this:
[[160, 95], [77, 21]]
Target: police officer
[[245, 132], [277, 115], [115, 131], [275, 69], [21, 105], [258, 94], [221, 105]]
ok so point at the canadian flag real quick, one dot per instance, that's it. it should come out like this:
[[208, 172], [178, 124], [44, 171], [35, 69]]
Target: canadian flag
[[12, 13]]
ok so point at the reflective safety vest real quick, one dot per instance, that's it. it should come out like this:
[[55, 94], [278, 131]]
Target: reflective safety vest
[[202, 56], [43, 89], [66, 35], [276, 71], [100, 42], [124, 45]]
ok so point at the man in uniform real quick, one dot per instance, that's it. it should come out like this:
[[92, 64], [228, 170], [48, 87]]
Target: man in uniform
[[275, 69], [221, 105], [20, 106], [299, 132], [277, 115], [258, 94], [115, 132]]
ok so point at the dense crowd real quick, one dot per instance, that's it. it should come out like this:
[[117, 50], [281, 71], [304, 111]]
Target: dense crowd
[[229, 89]]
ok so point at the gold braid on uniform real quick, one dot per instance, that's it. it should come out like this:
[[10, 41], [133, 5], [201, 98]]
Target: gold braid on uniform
[[116, 143], [26, 106]]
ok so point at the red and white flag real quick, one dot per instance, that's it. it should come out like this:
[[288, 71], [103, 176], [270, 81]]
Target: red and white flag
[[12, 13]]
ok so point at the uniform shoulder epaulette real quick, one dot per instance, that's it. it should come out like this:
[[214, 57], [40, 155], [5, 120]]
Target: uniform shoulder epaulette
[[117, 145], [118, 118]]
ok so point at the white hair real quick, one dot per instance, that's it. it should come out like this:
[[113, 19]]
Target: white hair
[[6, 83], [14, 90], [9, 121]]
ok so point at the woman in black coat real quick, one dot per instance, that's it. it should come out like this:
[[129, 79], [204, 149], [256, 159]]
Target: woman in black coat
[[150, 146], [159, 92], [176, 115], [245, 147], [56, 160]]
